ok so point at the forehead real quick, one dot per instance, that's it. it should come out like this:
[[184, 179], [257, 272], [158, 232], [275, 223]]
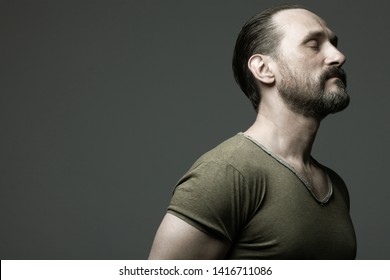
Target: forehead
[[295, 24]]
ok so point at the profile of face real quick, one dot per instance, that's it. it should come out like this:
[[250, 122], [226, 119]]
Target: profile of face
[[311, 81], [310, 96]]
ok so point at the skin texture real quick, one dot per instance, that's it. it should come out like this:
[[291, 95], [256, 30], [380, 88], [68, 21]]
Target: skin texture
[[308, 47]]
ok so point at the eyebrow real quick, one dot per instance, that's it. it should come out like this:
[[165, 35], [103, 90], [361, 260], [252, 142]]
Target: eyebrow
[[320, 34]]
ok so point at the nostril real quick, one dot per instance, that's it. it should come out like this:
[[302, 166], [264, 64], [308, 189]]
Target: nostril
[[336, 59]]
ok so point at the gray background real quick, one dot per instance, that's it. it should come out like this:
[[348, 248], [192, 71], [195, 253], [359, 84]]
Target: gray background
[[105, 104]]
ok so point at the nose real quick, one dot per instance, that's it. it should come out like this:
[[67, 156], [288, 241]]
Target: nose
[[334, 57]]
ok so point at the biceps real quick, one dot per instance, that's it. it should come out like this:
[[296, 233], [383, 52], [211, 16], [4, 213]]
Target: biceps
[[176, 239]]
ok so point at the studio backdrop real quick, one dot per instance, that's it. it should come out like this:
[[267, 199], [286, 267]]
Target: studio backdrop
[[105, 104]]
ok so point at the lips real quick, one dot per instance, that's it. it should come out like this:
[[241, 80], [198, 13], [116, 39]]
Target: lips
[[334, 76], [335, 72]]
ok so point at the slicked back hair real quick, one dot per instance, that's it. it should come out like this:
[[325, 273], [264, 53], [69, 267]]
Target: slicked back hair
[[259, 35]]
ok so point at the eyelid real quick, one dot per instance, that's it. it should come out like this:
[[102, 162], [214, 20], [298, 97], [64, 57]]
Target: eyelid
[[313, 43], [319, 38]]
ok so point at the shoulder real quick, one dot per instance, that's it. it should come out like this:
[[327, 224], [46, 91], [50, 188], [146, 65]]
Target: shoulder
[[218, 166], [236, 168], [217, 195], [238, 153]]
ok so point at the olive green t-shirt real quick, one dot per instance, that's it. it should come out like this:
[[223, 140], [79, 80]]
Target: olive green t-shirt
[[242, 193]]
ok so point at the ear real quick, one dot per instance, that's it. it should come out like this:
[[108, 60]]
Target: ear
[[259, 66]]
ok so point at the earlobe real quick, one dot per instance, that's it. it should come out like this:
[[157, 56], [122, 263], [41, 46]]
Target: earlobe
[[260, 69]]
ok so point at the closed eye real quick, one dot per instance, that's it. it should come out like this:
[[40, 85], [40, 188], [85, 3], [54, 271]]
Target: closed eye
[[314, 44]]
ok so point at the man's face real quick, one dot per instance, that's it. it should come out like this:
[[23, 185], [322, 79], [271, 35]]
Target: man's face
[[312, 96], [311, 81]]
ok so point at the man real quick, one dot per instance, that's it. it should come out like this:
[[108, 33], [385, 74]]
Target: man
[[260, 194]]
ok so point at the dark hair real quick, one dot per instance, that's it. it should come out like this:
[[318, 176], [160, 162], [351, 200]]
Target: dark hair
[[258, 35]]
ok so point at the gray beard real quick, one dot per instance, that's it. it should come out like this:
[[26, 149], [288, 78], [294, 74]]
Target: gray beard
[[309, 98]]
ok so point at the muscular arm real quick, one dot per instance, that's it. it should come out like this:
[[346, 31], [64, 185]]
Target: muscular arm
[[176, 239]]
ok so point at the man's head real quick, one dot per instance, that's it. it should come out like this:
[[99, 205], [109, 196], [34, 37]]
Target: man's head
[[259, 35], [291, 49]]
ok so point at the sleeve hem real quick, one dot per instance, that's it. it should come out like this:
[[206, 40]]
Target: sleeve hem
[[199, 226]]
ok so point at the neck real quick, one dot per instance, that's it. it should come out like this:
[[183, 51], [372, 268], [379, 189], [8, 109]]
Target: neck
[[285, 133]]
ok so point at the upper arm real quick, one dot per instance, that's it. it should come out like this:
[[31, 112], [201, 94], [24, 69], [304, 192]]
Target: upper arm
[[176, 239]]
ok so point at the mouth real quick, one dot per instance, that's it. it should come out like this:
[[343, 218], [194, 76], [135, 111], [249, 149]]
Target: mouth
[[333, 75], [336, 74]]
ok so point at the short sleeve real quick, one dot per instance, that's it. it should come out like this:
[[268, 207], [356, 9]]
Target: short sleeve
[[213, 197]]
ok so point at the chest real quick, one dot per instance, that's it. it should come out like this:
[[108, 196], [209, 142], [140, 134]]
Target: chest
[[291, 224]]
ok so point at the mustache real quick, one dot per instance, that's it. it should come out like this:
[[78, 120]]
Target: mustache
[[335, 72]]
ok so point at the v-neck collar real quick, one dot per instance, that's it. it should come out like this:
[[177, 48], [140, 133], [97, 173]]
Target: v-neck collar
[[323, 200]]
